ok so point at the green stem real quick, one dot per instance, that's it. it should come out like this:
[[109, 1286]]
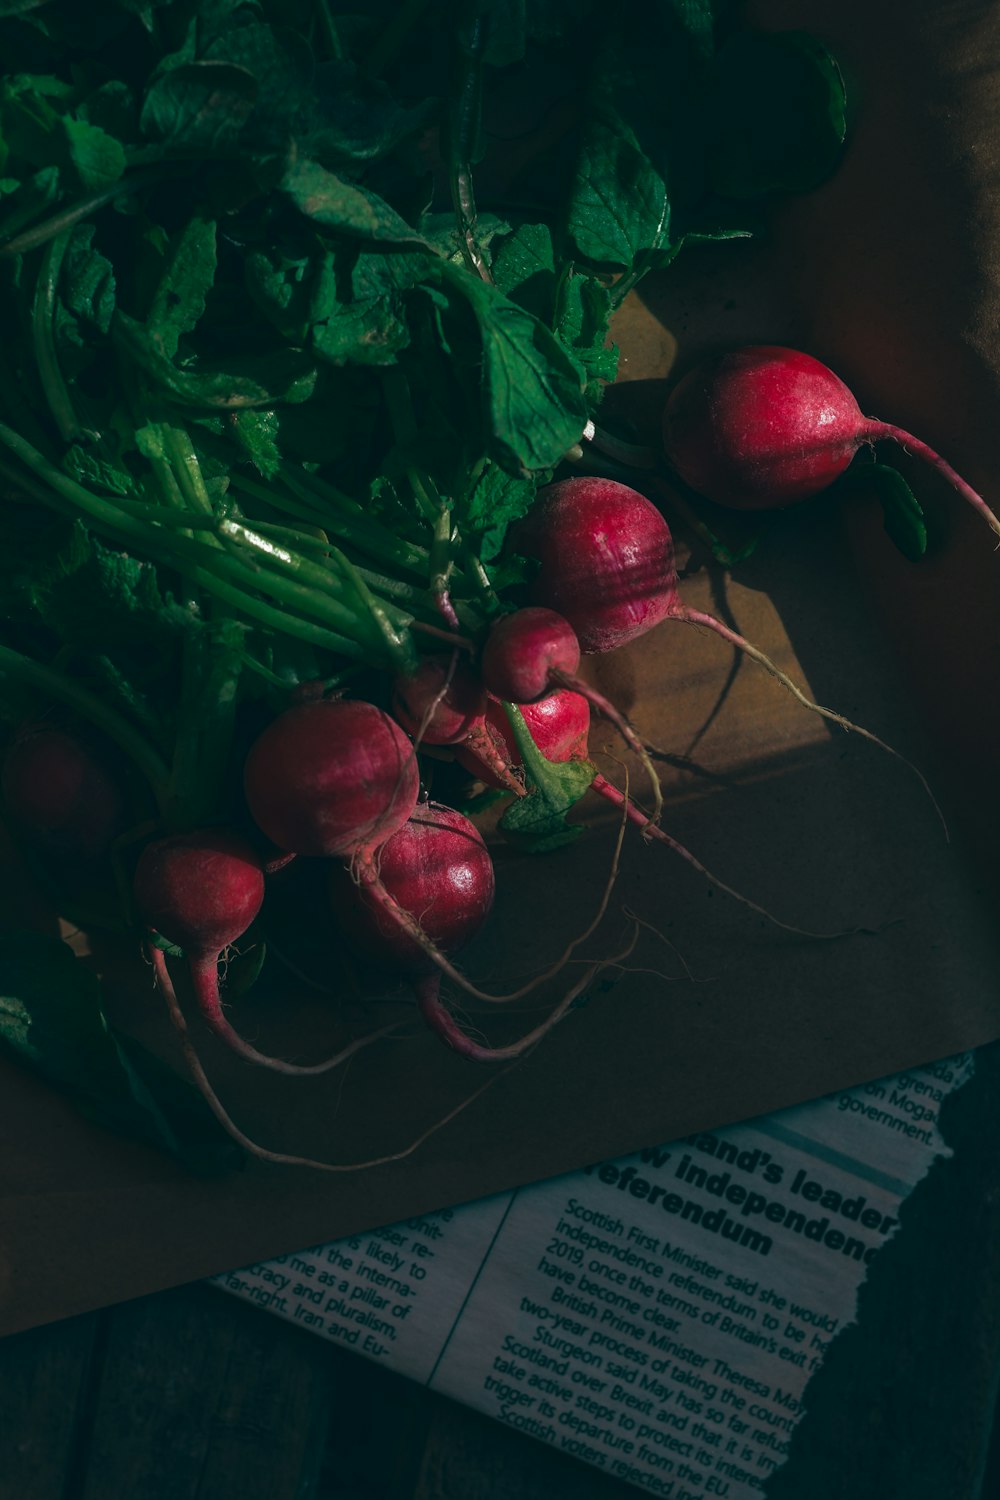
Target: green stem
[[298, 569], [289, 580], [43, 338], [194, 561], [464, 125], [356, 526], [479, 575], [398, 642], [411, 598], [186, 468], [442, 563], [539, 770], [645, 260], [284, 685], [111, 723], [40, 234], [328, 27]]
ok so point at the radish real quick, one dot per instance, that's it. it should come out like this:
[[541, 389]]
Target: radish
[[534, 650], [606, 559], [606, 562], [200, 892], [764, 426], [61, 796], [559, 725], [331, 777], [438, 875], [434, 891], [438, 870], [443, 703]]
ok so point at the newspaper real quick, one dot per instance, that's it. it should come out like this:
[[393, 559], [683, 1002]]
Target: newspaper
[[656, 1315]]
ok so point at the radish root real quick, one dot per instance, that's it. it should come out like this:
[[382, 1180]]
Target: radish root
[[697, 617], [203, 974], [444, 1024], [284, 1158]]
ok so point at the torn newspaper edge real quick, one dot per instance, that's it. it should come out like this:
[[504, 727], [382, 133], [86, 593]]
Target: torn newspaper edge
[[659, 1315]]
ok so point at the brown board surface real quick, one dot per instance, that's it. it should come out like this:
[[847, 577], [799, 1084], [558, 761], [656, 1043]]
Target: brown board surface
[[719, 1014]]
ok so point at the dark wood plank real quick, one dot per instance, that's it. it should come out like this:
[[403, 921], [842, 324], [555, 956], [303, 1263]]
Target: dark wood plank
[[378, 1432], [44, 1379], [202, 1398], [470, 1456]]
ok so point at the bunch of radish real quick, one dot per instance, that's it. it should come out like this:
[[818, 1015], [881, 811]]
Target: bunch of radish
[[338, 779]]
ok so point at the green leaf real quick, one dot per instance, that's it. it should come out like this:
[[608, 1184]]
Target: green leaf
[[199, 105], [90, 596], [281, 65], [583, 323], [261, 380], [52, 1018], [281, 284], [257, 434], [532, 392], [87, 281], [356, 313], [356, 119], [696, 19], [96, 473], [179, 300], [776, 115], [524, 269], [497, 500], [902, 513], [345, 206], [28, 200], [96, 159], [619, 205], [39, 127], [85, 302]]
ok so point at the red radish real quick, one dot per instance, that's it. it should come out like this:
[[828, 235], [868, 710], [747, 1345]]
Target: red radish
[[607, 563], [201, 891], [435, 876], [764, 426], [559, 725], [528, 653], [62, 797], [435, 890], [443, 703], [534, 650], [606, 559], [331, 777], [438, 870]]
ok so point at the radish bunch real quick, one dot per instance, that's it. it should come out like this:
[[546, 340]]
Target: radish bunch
[[338, 779]]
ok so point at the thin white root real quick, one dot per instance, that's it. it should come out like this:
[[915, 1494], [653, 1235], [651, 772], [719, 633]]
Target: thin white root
[[284, 1158], [697, 617]]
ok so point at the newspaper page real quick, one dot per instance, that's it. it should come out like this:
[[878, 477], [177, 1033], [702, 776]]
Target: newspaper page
[[656, 1315]]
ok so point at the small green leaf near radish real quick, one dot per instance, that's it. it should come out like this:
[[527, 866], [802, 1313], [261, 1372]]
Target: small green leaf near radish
[[902, 513]]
